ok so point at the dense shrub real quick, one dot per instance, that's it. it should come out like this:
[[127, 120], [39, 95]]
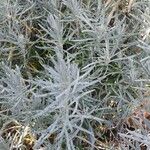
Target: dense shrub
[[74, 74]]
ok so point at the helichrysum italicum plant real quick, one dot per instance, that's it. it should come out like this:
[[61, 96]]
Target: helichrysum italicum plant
[[73, 70], [14, 92], [65, 91]]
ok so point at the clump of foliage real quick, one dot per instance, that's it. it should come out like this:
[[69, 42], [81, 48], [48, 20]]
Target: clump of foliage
[[74, 74]]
